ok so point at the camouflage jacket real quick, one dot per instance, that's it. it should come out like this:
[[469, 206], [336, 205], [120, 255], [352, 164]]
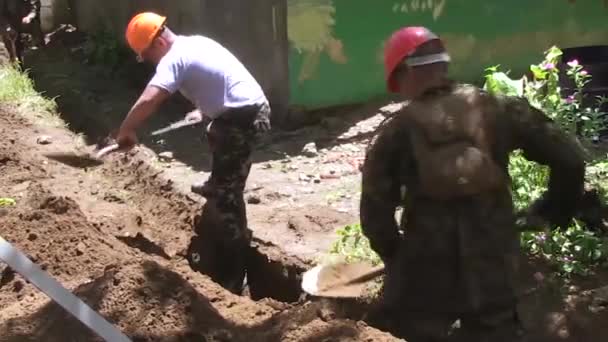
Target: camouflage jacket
[[451, 247]]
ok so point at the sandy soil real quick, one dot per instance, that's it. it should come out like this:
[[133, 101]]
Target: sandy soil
[[82, 225], [120, 235]]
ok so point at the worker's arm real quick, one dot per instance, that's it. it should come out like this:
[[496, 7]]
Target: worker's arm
[[166, 81], [34, 6], [146, 105], [543, 141], [380, 194]]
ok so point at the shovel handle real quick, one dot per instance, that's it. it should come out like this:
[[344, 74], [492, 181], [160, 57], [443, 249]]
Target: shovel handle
[[106, 150]]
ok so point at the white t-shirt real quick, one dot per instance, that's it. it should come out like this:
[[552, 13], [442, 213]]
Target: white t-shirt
[[207, 74]]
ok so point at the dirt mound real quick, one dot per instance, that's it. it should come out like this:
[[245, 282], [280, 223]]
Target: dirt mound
[[153, 303], [116, 235]]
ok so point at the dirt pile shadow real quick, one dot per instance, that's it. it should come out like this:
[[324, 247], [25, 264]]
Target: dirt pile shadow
[[152, 303]]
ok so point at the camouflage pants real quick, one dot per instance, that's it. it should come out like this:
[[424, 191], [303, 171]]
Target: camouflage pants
[[232, 137], [457, 261], [496, 326]]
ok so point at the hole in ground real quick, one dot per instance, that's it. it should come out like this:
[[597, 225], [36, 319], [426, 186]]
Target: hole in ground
[[268, 275]]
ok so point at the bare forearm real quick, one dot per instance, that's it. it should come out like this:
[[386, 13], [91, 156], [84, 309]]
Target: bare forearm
[[140, 112]]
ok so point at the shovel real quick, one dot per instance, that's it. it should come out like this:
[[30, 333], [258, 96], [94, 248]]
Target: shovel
[[82, 160], [340, 280], [351, 280], [176, 125], [86, 160]]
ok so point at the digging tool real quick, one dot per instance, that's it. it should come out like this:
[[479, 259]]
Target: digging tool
[[51, 287], [85, 160], [176, 125], [350, 280], [345, 280], [82, 160]]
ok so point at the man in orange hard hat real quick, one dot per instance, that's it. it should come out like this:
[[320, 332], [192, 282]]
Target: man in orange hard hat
[[222, 88], [443, 158]]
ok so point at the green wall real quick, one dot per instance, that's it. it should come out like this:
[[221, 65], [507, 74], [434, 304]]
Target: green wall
[[336, 45]]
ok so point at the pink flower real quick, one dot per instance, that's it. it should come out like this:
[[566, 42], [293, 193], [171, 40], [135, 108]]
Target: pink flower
[[573, 63], [584, 72], [570, 99], [548, 66]]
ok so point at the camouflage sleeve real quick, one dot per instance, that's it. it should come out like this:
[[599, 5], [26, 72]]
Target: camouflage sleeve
[[544, 142], [34, 8], [380, 194]]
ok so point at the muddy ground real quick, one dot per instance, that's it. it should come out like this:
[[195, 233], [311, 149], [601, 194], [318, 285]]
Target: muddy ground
[[82, 227], [118, 234]]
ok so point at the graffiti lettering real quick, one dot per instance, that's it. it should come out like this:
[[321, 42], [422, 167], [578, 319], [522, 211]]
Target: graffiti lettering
[[435, 7]]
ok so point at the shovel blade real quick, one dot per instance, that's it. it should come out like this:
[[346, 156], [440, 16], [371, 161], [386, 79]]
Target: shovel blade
[[340, 280], [74, 159]]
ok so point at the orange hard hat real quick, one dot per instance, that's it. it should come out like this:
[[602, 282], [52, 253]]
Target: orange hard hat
[[142, 30]]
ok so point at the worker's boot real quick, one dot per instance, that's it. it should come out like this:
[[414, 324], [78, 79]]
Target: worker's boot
[[233, 258], [9, 38], [204, 188], [38, 37]]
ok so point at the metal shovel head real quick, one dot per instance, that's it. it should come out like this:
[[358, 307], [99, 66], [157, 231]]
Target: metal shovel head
[[340, 280], [73, 159], [82, 160]]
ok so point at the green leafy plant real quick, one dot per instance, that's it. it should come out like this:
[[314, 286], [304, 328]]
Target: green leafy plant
[[353, 245], [498, 82], [5, 202], [543, 91], [597, 176], [574, 250], [17, 90], [104, 48]]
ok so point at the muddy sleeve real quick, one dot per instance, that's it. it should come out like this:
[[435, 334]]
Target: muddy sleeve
[[380, 193], [543, 141]]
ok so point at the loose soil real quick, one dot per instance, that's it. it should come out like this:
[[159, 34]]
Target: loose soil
[[116, 235], [120, 235]]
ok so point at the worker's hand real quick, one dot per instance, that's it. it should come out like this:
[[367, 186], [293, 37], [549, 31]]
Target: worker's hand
[[542, 210], [194, 116], [526, 221], [27, 19], [126, 140], [262, 122]]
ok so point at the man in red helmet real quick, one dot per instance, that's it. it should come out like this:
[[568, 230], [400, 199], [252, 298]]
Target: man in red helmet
[[444, 158]]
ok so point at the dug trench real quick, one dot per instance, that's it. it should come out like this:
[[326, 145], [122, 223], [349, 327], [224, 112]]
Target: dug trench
[[120, 235], [117, 236]]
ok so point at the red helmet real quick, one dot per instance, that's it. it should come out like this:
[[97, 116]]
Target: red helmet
[[400, 45]]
